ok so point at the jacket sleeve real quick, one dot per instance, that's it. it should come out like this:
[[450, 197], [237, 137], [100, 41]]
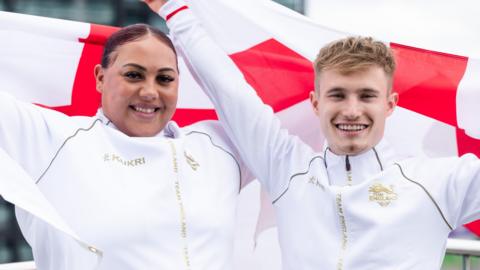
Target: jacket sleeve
[[268, 150], [463, 189], [454, 184], [30, 134]]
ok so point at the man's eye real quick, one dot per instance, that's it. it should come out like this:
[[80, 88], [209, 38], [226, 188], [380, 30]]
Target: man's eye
[[336, 96], [133, 75], [165, 79], [367, 96]]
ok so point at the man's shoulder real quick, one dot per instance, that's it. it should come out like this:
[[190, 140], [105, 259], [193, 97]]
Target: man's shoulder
[[424, 167]]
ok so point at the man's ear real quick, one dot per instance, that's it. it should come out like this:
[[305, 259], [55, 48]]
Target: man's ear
[[99, 75], [392, 102], [314, 101]]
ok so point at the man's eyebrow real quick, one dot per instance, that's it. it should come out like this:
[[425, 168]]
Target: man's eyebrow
[[369, 90], [335, 89]]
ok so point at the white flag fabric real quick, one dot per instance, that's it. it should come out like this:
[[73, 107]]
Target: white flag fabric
[[50, 62], [17, 187]]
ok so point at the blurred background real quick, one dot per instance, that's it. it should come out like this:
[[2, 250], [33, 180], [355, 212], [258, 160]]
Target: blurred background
[[13, 248], [109, 12]]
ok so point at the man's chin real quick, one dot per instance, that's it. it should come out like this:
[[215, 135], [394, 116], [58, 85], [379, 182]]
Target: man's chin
[[351, 149]]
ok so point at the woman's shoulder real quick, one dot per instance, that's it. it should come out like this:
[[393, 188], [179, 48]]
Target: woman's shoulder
[[210, 131], [210, 127]]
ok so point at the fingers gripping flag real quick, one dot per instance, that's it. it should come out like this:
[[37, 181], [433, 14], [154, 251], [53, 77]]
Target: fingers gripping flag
[[50, 62]]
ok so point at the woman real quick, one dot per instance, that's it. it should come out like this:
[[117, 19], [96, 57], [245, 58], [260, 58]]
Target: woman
[[141, 190]]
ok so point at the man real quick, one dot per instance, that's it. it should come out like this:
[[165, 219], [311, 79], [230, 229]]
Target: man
[[356, 205]]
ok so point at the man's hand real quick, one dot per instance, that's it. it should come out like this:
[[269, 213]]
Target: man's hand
[[155, 5]]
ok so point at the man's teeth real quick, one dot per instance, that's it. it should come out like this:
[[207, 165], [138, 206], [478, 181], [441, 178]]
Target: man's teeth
[[144, 110], [355, 127]]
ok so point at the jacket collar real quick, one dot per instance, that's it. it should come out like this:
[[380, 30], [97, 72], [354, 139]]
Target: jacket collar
[[357, 168]]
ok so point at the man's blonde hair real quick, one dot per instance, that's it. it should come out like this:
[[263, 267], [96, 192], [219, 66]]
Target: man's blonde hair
[[354, 54]]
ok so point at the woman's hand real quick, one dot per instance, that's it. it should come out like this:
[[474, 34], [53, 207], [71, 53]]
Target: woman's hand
[[155, 5]]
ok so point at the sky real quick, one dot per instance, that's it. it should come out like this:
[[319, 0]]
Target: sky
[[451, 26]]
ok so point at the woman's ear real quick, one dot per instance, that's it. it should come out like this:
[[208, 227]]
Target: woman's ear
[[99, 75]]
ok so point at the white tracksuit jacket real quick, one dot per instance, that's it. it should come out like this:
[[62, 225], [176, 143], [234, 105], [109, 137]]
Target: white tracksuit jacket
[[164, 202], [395, 214]]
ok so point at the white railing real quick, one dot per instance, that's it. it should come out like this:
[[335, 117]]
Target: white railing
[[464, 248], [18, 266]]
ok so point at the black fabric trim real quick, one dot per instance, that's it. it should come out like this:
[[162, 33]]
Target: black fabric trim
[[429, 195], [221, 148], [63, 144], [378, 158], [325, 157], [295, 175]]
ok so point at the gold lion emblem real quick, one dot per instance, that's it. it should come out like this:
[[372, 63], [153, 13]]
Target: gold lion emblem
[[381, 194], [191, 161]]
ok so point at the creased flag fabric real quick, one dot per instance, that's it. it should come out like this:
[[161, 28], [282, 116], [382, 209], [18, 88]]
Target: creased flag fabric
[[50, 62]]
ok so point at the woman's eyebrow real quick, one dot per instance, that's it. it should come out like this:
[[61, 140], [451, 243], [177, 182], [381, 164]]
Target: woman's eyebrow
[[165, 69], [135, 66]]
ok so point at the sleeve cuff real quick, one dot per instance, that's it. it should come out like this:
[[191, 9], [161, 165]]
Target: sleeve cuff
[[171, 8]]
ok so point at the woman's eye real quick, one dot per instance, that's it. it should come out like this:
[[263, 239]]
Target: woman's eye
[[165, 79], [133, 75]]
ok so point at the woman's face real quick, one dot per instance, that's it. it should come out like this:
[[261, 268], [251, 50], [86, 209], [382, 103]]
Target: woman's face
[[140, 86]]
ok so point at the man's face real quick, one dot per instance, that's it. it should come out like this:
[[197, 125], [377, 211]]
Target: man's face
[[140, 87], [353, 108]]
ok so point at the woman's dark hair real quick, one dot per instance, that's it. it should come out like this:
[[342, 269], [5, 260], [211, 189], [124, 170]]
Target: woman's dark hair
[[132, 33]]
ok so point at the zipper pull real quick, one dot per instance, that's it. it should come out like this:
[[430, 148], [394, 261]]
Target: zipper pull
[[348, 168]]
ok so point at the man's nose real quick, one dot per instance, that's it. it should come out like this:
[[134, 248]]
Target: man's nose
[[352, 109]]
